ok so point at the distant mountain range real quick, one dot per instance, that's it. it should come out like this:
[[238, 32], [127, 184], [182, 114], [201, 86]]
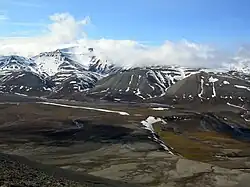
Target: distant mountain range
[[65, 73]]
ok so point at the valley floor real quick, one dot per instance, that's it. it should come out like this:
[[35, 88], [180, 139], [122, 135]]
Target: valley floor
[[99, 144]]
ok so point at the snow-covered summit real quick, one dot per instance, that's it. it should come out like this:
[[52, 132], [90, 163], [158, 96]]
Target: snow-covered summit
[[17, 63], [56, 61], [73, 59]]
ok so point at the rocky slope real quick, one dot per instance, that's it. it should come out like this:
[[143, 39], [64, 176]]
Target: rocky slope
[[210, 87], [19, 171], [25, 83], [139, 83]]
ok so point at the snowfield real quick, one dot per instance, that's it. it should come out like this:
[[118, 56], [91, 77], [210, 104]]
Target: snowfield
[[84, 108]]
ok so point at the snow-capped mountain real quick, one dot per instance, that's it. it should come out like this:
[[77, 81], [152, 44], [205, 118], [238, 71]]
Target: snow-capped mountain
[[68, 74], [60, 67], [139, 83], [25, 83], [92, 60], [103, 67], [174, 84], [73, 58], [54, 62], [69, 70], [217, 87], [20, 75], [17, 63], [75, 81]]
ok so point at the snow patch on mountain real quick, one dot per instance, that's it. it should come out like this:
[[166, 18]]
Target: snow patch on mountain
[[213, 80], [202, 88], [226, 82], [242, 87]]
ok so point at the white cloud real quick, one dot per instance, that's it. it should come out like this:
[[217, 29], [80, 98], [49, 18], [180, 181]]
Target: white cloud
[[240, 61], [65, 29], [132, 53]]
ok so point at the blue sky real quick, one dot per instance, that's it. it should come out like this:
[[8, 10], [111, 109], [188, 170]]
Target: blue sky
[[217, 22]]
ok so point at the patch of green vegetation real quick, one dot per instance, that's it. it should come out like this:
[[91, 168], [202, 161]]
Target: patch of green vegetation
[[201, 146], [188, 148], [220, 139]]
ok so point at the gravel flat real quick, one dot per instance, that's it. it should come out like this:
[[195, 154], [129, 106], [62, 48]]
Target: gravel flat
[[19, 171]]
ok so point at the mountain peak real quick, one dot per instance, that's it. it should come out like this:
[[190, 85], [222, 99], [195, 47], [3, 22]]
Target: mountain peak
[[16, 63]]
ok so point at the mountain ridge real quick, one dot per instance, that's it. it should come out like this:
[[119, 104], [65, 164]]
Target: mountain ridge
[[68, 71]]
